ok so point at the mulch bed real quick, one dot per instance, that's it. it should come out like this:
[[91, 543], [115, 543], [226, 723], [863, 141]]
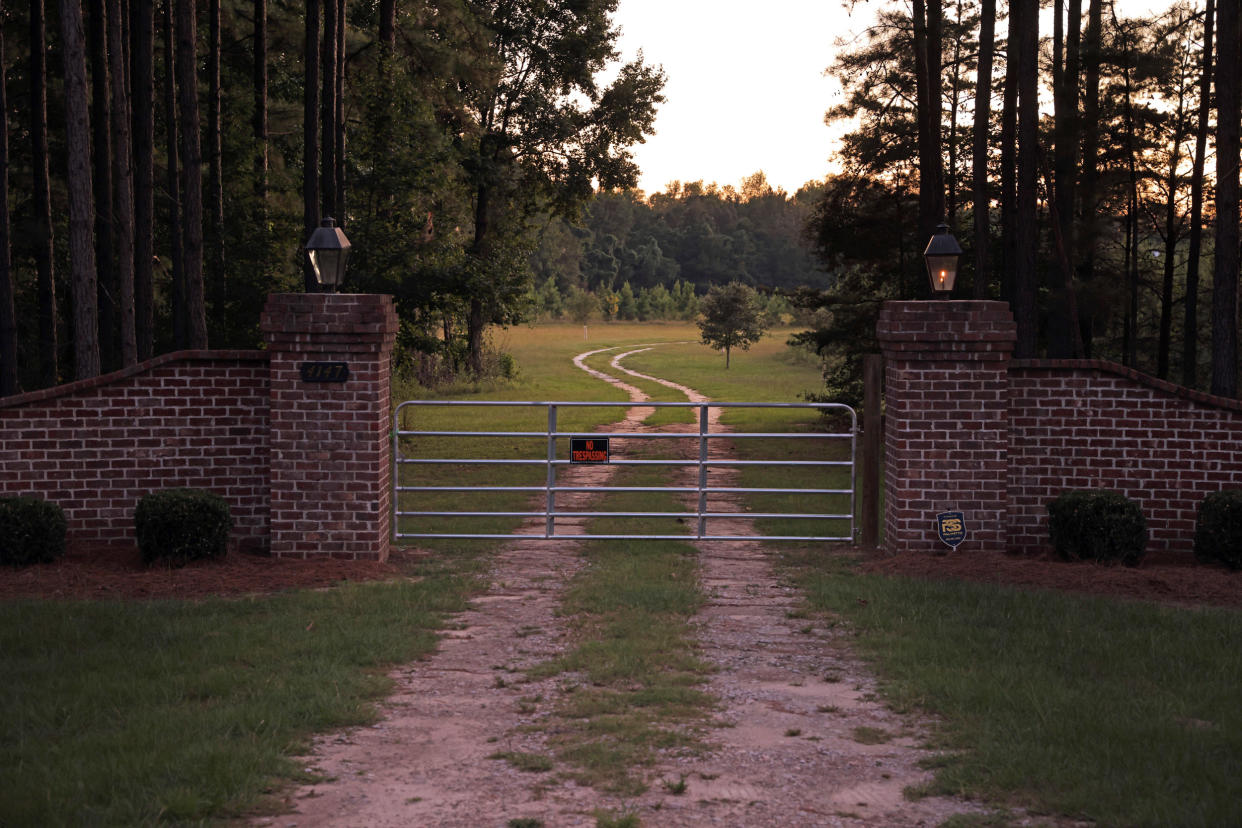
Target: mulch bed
[[1167, 580], [118, 572]]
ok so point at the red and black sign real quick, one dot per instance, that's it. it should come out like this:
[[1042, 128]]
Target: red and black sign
[[588, 450]]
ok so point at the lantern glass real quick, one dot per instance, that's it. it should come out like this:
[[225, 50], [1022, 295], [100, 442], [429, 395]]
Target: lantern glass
[[942, 255], [328, 251], [943, 272]]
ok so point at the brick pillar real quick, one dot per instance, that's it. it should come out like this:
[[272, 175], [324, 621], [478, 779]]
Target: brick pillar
[[331, 475], [946, 435]]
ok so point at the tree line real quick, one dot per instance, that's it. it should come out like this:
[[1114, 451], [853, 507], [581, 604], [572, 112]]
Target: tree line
[[1091, 173], [165, 161]]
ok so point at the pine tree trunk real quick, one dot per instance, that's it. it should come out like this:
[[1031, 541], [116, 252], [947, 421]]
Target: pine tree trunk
[[191, 174], [215, 165], [8, 314], [1171, 236], [1225, 273], [979, 159], [388, 25], [1190, 327], [181, 325], [142, 28], [310, 127], [101, 156], [327, 182], [1008, 160], [123, 179], [1088, 226], [43, 240], [1062, 327], [1028, 136], [260, 102], [81, 201], [339, 119]]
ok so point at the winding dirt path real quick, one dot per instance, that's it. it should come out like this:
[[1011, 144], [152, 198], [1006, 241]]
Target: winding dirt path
[[802, 739]]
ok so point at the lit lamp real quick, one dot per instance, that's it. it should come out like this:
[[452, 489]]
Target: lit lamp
[[941, 256], [328, 249]]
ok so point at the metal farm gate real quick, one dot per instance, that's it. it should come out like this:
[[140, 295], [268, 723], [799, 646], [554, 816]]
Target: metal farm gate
[[442, 476]]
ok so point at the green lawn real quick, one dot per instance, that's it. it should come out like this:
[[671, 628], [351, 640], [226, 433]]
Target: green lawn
[[176, 711], [1119, 712]]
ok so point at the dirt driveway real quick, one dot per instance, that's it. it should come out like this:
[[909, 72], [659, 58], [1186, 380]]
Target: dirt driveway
[[798, 739]]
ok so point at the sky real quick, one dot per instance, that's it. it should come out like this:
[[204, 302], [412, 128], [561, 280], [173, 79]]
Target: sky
[[745, 89]]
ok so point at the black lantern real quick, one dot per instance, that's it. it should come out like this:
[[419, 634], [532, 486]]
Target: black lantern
[[941, 256], [328, 250]]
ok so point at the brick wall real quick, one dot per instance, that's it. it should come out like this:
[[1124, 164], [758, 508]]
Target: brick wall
[[969, 429], [191, 418], [305, 466], [945, 419], [331, 471], [1087, 424]]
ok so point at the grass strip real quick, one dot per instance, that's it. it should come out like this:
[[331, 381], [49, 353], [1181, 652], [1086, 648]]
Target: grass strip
[[1122, 713], [174, 711], [633, 677]]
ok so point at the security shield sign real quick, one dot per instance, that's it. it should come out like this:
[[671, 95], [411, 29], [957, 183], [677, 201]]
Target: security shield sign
[[951, 527]]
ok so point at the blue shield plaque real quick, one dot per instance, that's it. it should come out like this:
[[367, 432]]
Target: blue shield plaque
[[951, 527]]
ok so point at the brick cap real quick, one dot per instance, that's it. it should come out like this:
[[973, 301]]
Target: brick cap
[[1105, 367], [78, 386], [946, 329], [354, 314]]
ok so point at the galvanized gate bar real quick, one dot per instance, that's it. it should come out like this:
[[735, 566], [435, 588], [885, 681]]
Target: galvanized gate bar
[[701, 515]]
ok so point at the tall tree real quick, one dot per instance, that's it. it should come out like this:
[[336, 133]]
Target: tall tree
[[1008, 201], [310, 133], [1062, 324], [49, 342], [1190, 325], [101, 157], [1025, 240], [81, 202], [927, 45], [260, 101], [215, 161], [191, 173], [981, 199], [176, 238], [329, 57], [544, 132], [123, 181], [388, 25], [8, 315], [338, 119], [1225, 273], [1180, 88], [142, 28], [1088, 196]]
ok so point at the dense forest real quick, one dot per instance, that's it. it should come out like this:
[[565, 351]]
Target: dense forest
[[1090, 172], [162, 163]]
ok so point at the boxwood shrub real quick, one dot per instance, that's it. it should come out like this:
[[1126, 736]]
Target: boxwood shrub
[[31, 531], [177, 526], [1097, 525], [1218, 531]]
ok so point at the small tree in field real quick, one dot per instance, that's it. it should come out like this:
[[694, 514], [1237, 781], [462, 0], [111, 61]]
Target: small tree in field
[[731, 318]]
